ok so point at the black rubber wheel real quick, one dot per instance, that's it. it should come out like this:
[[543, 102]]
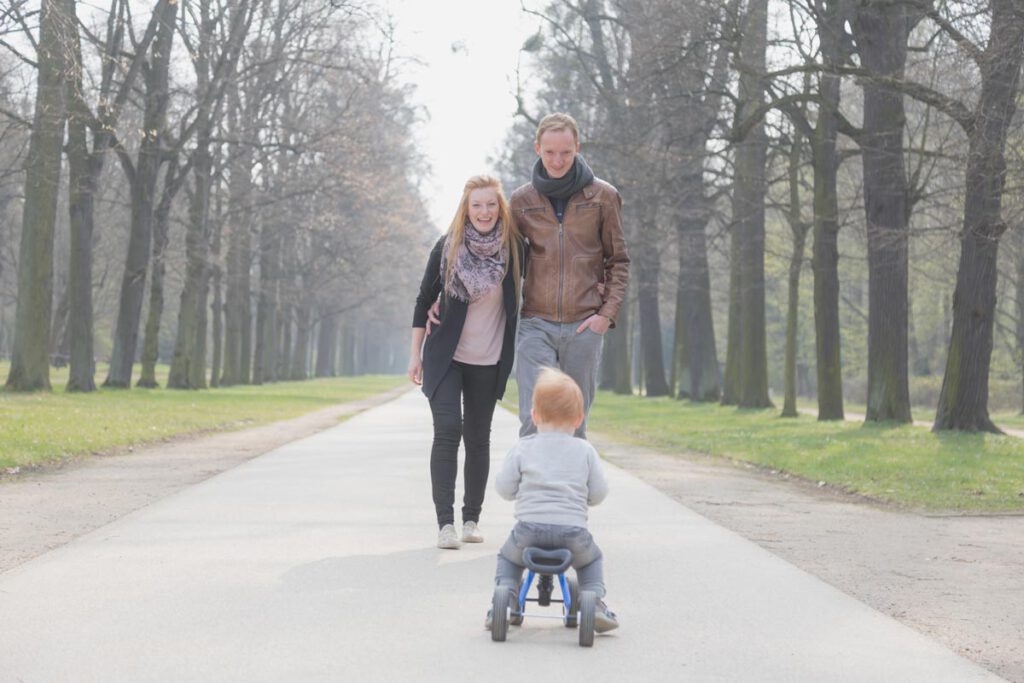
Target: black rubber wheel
[[574, 600], [588, 606], [499, 613]]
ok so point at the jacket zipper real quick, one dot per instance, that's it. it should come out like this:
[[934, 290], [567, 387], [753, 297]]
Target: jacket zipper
[[561, 268]]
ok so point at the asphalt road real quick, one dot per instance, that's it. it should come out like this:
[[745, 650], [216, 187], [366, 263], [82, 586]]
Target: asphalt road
[[317, 562]]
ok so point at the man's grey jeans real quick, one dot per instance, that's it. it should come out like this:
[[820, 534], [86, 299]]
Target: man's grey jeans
[[587, 559], [557, 345]]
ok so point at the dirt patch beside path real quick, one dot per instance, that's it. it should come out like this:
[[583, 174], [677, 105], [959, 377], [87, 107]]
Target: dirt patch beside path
[[958, 579], [43, 509]]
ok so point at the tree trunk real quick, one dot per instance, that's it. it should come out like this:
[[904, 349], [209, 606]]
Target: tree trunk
[[918, 362], [266, 312], [881, 33], [161, 236], [268, 301], [237, 314], [59, 327], [217, 313], [30, 367], [345, 355], [792, 323], [615, 358], [217, 305], [825, 256], [963, 400], [695, 357], [326, 347], [799, 229], [143, 183], [731, 380], [83, 172], [300, 353], [1019, 302], [648, 266], [284, 343], [750, 355], [188, 366]]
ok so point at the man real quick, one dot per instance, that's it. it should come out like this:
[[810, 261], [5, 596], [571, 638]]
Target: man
[[577, 268]]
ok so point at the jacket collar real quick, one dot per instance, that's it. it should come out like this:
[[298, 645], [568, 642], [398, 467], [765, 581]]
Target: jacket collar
[[588, 193]]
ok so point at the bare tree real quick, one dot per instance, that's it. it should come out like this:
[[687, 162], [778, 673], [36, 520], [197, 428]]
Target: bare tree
[[142, 177], [831, 18], [30, 366], [215, 70], [746, 365], [881, 30], [963, 401], [799, 229]]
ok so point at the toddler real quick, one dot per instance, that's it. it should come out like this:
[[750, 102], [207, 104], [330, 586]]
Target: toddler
[[553, 476]]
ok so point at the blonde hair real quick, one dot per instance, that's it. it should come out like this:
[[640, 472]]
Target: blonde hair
[[510, 238], [555, 122], [557, 399]]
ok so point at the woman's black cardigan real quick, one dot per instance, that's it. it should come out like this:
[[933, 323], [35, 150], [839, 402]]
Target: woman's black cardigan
[[439, 348]]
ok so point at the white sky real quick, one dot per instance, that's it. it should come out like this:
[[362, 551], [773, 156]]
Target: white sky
[[468, 90]]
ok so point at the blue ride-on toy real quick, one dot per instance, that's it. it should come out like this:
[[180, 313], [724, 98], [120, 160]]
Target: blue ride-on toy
[[578, 607]]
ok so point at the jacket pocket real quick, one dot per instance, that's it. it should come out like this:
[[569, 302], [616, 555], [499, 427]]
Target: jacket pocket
[[586, 273], [540, 293]]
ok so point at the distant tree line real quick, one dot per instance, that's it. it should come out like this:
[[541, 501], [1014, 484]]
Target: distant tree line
[[227, 186], [884, 133]]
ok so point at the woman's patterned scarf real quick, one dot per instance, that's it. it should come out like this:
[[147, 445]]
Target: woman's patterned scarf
[[479, 264]]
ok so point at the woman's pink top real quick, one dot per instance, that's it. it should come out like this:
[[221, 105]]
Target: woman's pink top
[[480, 343]]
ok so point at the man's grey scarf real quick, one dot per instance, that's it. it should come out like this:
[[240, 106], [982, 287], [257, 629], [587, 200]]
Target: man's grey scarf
[[578, 177], [479, 265]]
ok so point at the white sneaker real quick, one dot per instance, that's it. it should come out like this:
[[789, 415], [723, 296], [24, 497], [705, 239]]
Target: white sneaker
[[471, 533], [447, 539]]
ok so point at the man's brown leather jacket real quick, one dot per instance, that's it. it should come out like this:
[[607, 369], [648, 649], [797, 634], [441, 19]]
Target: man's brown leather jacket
[[567, 261]]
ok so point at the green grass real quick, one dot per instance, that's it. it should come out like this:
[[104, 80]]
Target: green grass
[[1010, 420], [905, 465], [44, 427], [1002, 418]]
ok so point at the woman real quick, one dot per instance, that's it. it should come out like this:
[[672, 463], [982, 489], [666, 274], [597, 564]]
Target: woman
[[466, 359]]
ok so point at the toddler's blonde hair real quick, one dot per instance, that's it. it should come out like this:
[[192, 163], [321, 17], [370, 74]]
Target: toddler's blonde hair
[[557, 399]]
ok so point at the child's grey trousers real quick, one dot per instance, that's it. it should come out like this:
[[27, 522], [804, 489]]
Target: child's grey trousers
[[586, 556]]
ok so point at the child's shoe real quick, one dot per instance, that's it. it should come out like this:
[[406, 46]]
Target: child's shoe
[[604, 618], [513, 619], [447, 538], [471, 533]]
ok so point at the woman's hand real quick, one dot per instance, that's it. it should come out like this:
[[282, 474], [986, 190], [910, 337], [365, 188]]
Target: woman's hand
[[416, 370], [434, 315], [415, 358]]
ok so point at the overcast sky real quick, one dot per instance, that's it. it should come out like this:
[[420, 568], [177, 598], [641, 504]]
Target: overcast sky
[[469, 50]]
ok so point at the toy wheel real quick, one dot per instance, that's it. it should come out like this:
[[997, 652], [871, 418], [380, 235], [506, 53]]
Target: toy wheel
[[588, 606], [574, 601], [499, 613]]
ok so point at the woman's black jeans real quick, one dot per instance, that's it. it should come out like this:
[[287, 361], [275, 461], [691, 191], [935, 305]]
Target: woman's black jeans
[[462, 406]]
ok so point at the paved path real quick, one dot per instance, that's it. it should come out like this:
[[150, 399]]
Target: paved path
[[316, 562]]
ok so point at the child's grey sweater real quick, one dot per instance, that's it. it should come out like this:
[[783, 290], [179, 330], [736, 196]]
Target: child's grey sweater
[[553, 477]]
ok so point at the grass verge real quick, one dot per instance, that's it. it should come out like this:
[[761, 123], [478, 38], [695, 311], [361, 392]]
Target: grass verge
[[1006, 419], [45, 427], [905, 465]]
